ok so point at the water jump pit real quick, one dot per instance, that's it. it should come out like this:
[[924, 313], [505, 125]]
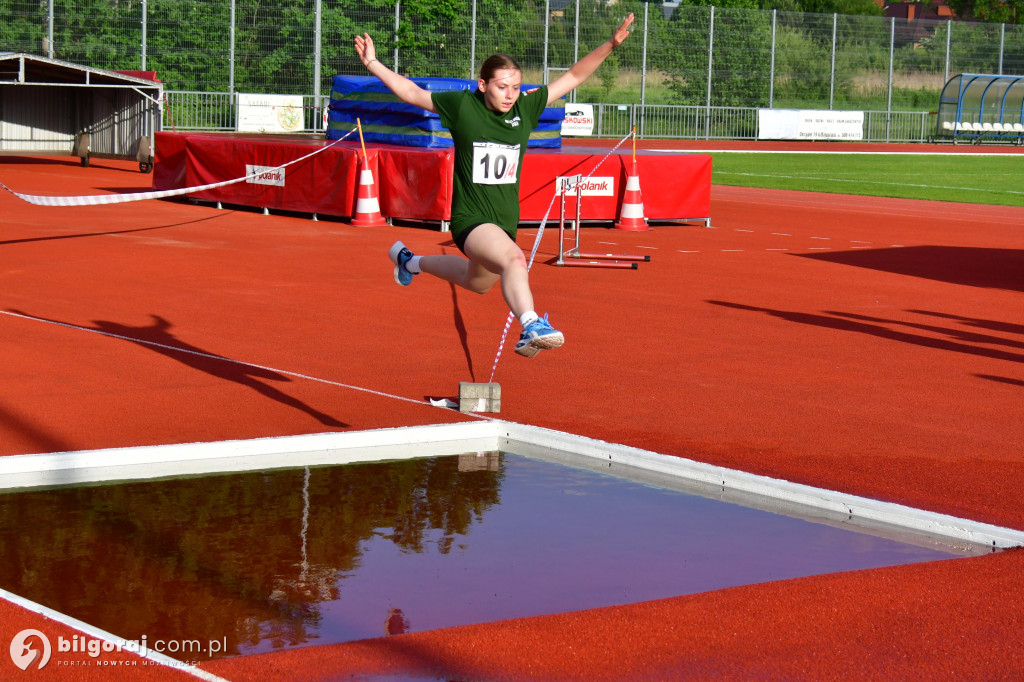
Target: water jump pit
[[289, 542]]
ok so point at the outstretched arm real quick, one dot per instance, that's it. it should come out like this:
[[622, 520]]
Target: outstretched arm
[[405, 89], [585, 68]]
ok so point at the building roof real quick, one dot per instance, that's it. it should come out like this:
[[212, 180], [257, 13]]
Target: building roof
[[933, 9], [29, 69]]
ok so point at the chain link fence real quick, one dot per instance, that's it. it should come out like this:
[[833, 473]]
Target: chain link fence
[[698, 72]]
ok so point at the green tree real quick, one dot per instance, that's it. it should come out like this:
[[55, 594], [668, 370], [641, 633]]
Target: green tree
[[427, 37], [865, 7], [995, 11], [802, 72], [99, 33], [188, 44], [22, 27], [740, 57]]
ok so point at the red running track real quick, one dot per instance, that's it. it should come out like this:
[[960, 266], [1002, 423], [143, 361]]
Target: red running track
[[872, 346]]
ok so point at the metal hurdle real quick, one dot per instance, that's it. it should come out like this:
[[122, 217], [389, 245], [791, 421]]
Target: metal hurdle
[[574, 257]]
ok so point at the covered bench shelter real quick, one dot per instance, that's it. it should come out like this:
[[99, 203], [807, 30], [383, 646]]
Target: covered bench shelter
[[980, 107], [49, 106]]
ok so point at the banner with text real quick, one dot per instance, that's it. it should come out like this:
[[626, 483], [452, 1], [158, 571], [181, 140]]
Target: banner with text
[[269, 113], [809, 124], [579, 119]]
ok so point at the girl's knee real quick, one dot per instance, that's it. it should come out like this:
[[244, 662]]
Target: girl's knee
[[482, 281], [519, 259], [513, 262]]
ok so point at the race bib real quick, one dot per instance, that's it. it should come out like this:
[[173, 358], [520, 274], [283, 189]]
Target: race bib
[[495, 164]]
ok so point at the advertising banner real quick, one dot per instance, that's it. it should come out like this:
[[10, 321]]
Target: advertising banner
[[269, 113], [809, 124], [579, 119]]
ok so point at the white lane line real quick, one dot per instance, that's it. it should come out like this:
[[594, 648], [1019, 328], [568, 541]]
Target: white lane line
[[883, 183]]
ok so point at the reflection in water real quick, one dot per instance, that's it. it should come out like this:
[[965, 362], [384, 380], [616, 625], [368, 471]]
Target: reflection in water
[[270, 560], [249, 557], [396, 623]]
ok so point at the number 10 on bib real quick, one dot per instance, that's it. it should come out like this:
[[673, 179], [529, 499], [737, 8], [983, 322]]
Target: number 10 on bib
[[495, 164]]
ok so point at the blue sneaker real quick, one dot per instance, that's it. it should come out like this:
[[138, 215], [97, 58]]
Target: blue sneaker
[[538, 336], [400, 255]]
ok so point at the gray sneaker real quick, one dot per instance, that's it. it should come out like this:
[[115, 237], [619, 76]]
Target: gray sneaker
[[400, 255]]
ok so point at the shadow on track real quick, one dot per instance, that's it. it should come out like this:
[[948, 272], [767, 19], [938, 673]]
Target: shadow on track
[[157, 337]]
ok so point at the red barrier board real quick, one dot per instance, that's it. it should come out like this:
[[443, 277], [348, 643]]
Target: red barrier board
[[673, 186], [414, 183]]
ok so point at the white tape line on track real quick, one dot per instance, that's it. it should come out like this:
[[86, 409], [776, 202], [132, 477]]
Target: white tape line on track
[[210, 356], [101, 199]]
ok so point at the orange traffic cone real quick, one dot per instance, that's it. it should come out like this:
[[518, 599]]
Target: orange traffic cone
[[367, 213], [632, 216]]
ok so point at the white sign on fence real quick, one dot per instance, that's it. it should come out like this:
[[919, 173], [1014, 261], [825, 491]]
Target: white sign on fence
[[579, 119], [269, 113], [809, 124]]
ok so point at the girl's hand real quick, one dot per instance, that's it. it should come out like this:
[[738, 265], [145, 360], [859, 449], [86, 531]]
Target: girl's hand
[[620, 34], [365, 49]]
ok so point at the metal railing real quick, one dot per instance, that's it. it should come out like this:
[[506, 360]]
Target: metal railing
[[740, 123], [218, 112]]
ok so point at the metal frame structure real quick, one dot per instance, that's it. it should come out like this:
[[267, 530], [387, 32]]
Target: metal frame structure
[[573, 257], [49, 106], [977, 107]]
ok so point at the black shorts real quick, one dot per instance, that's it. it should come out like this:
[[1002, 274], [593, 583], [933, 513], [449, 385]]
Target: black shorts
[[460, 237]]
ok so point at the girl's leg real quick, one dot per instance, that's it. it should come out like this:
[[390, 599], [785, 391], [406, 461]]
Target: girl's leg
[[490, 249], [493, 257]]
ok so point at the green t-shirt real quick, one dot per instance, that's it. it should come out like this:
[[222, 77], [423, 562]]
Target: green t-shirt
[[489, 151]]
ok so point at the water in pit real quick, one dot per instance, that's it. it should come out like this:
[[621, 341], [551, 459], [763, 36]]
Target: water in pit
[[318, 555]]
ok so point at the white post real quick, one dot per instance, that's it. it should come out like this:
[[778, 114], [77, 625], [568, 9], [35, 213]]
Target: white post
[[832, 76], [771, 73], [142, 61], [643, 72], [711, 52]]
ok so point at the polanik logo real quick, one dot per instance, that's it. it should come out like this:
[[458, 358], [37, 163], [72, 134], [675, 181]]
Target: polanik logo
[[514, 122], [24, 655]]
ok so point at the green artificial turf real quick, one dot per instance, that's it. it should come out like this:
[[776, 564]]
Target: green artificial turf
[[984, 179]]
